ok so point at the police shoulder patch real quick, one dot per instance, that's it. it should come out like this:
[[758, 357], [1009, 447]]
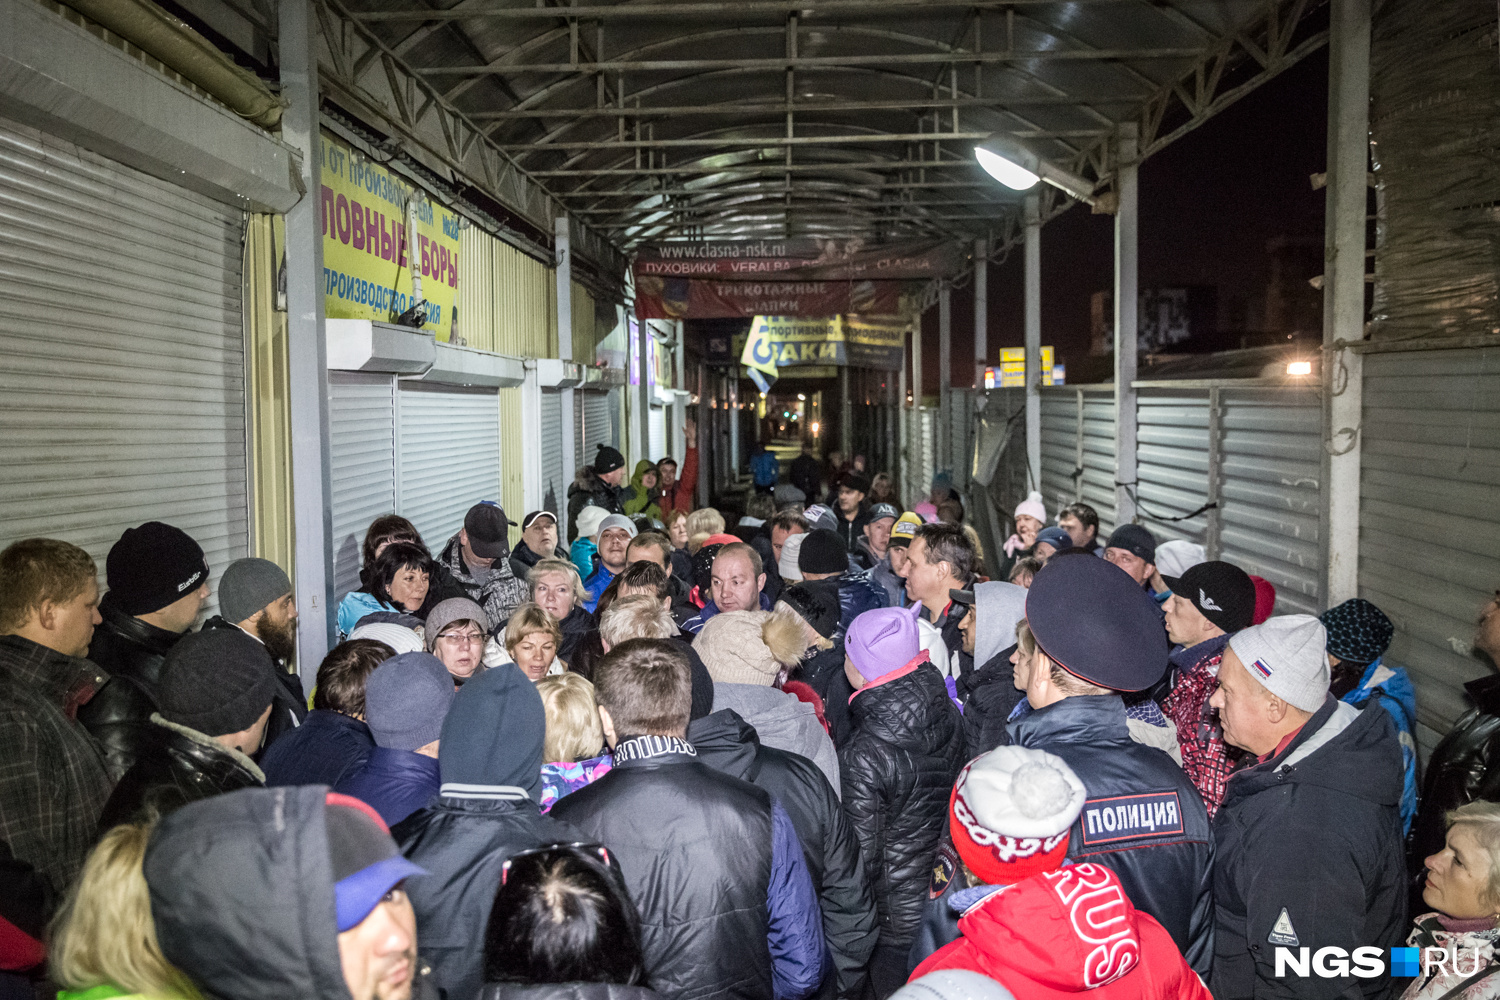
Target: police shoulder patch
[[1107, 822], [944, 867]]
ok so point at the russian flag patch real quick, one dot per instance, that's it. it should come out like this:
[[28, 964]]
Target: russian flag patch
[[1261, 668]]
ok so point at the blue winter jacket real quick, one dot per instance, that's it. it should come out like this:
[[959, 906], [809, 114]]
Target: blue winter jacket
[[585, 555], [327, 748], [355, 605], [765, 468], [1399, 697], [395, 783], [596, 585], [859, 593]]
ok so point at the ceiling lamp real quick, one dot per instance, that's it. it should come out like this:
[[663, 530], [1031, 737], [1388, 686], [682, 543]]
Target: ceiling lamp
[[1013, 164]]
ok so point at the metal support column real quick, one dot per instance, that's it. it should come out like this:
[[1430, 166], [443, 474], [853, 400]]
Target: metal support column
[[1033, 339], [307, 343], [846, 416], [734, 426], [903, 438], [1344, 292], [1213, 533], [944, 441], [706, 455], [677, 447], [1127, 296], [981, 313], [642, 398], [564, 253]]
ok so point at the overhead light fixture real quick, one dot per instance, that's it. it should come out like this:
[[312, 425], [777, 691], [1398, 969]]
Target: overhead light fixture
[[1299, 368], [1014, 164]]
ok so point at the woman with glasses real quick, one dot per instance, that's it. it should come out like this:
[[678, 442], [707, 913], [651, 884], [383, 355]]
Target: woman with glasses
[[456, 632], [563, 926]]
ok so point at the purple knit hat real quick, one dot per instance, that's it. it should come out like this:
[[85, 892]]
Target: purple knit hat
[[883, 640]]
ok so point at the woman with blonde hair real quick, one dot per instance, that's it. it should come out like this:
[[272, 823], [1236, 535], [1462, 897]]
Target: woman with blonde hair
[[1463, 889], [573, 748], [532, 639], [702, 524], [103, 938]]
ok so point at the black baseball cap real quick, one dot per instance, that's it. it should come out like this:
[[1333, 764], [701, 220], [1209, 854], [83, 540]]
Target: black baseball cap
[[1133, 539], [1097, 624], [1222, 592], [879, 510], [529, 519], [488, 529]]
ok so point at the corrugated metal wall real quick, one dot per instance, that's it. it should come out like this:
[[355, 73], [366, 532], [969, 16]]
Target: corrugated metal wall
[[1070, 471], [1272, 445], [1172, 461], [507, 300], [1430, 514]]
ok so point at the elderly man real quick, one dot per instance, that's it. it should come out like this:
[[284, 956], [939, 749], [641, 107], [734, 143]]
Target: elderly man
[[615, 535], [538, 541], [1308, 839], [737, 581], [285, 892]]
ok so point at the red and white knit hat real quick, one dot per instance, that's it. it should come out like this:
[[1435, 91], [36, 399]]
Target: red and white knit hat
[[1011, 811]]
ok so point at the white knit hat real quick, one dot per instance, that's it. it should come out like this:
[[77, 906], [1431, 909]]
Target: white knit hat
[[588, 520], [953, 984], [1176, 557], [790, 549], [398, 637], [750, 647], [1288, 654], [1032, 506]]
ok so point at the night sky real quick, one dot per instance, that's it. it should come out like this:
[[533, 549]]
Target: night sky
[[1208, 204]]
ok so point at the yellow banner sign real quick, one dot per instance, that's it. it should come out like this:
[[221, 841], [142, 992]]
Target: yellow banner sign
[[777, 342], [365, 248]]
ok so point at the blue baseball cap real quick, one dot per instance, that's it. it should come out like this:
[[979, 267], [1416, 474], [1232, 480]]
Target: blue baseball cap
[[365, 861], [1055, 537]]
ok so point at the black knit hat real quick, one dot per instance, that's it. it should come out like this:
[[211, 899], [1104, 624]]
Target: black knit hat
[[153, 566], [703, 568], [817, 602], [823, 551], [608, 460], [856, 481], [1358, 631], [217, 681], [1133, 539]]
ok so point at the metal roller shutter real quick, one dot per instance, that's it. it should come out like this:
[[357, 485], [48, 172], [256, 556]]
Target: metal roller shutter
[[362, 456], [1429, 550], [1078, 451], [447, 456], [555, 466], [122, 388], [1172, 462], [1272, 448], [657, 447], [597, 427]]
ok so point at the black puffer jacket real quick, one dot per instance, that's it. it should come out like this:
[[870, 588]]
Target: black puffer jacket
[[565, 991], [588, 489], [729, 743], [897, 767], [1166, 867], [131, 651], [1309, 849], [177, 766], [992, 697], [242, 897]]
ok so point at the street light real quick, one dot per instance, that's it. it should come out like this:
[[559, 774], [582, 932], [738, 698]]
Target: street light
[[1014, 164]]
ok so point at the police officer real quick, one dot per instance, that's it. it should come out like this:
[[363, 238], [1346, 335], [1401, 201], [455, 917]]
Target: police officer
[[1099, 634]]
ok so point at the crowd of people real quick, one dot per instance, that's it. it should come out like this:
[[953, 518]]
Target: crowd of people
[[833, 750]]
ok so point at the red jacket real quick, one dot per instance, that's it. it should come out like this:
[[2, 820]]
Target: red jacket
[[1066, 932], [680, 496]]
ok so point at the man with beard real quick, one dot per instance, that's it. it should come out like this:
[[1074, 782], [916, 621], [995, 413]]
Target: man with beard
[[255, 596]]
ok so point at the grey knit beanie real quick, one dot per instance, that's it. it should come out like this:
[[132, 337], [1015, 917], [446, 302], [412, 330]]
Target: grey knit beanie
[[406, 700], [1288, 655], [217, 681], [454, 609], [249, 585]]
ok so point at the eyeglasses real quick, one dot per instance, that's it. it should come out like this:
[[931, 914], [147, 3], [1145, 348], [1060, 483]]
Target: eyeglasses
[[597, 850], [463, 638]]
